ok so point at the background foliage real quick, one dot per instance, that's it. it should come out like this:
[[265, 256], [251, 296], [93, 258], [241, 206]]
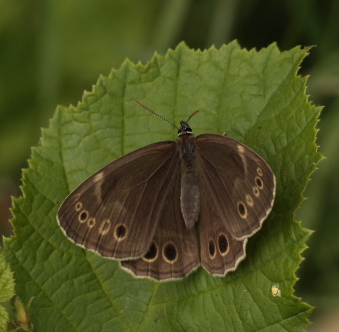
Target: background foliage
[[53, 50]]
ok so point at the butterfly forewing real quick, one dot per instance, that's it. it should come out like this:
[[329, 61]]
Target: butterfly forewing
[[116, 211], [238, 179]]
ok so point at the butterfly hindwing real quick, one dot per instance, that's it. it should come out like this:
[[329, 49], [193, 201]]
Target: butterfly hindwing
[[220, 252], [174, 250]]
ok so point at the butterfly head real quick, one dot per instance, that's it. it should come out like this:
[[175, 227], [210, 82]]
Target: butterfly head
[[185, 129]]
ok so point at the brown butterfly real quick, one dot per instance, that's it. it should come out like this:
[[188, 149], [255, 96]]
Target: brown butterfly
[[165, 209]]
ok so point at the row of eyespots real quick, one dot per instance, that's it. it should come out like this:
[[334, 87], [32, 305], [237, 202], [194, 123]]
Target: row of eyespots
[[120, 231], [259, 185], [221, 244], [169, 253]]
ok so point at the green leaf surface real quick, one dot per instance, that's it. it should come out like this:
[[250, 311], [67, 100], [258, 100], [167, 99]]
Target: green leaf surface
[[321, 211], [255, 97], [6, 289]]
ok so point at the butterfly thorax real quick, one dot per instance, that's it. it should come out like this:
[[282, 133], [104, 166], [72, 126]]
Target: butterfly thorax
[[190, 193]]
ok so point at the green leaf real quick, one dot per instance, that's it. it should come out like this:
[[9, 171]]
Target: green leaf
[[6, 289], [322, 215], [255, 97]]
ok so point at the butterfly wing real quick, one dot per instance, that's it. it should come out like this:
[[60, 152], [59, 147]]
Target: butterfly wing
[[174, 250], [238, 189], [219, 250], [115, 212]]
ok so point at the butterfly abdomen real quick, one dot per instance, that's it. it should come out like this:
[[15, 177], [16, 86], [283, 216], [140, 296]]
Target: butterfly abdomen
[[190, 192]]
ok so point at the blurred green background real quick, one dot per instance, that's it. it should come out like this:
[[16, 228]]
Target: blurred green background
[[51, 51]]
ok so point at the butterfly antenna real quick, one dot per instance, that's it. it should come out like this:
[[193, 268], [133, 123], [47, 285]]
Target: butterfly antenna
[[161, 117], [196, 112]]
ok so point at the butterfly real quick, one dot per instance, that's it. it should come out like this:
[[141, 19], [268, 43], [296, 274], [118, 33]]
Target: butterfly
[[170, 207]]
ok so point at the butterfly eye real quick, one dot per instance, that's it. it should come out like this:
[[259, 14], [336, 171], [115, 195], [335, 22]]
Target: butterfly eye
[[152, 253], [211, 249], [105, 226], [259, 171], [259, 183], [91, 222], [170, 253], [83, 216], [256, 191], [78, 206], [222, 244], [120, 232], [242, 210], [249, 200]]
